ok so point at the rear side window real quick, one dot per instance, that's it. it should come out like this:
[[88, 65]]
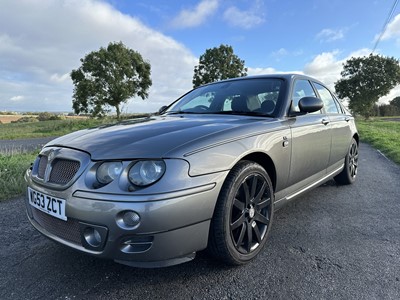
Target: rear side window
[[326, 97], [302, 88]]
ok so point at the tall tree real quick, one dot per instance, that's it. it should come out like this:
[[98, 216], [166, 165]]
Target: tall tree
[[109, 77], [366, 79], [217, 64]]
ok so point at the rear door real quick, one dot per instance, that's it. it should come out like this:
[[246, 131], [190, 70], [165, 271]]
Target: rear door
[[340, 127]]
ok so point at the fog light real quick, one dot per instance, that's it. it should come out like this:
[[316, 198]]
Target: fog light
[[92, 237], [128, 219]]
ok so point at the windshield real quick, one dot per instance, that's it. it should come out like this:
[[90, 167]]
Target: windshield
[[258, 96]]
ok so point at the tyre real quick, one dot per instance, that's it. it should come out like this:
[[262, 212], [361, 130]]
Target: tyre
[[243, 214], [349, 173]]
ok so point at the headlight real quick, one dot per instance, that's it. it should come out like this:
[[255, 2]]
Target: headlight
[[108, 171], [146, 172]]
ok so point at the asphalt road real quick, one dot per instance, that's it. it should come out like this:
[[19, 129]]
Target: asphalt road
[[332, 243]]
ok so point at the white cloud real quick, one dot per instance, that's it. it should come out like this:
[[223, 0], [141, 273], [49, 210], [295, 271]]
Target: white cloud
[[197, 16], [326, 67], [245, 18], [59, 78], [330, 35], [17, 98], [41, 42], [392, 94], [392, 30]]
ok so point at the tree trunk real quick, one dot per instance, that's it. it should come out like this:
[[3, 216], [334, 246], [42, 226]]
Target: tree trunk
[[118, 111]]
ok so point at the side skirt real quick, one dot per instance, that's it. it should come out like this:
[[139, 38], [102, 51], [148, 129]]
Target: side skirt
[[288, 198]]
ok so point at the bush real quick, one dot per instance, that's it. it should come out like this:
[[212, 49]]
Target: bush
[[46, 116]]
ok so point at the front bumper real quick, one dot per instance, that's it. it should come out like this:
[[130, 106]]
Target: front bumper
[[173, 225]]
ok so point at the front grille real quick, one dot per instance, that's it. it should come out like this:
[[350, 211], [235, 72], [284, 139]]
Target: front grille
[[66, 230], [63, 170], [42, 166], [58, 167]]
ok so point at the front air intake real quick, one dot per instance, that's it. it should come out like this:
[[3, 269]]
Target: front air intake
[[63, 170]]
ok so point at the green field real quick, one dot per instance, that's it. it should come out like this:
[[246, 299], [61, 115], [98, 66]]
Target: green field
[[383, 134]]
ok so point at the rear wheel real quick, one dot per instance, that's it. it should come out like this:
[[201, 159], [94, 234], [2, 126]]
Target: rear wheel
[[243, 214], [349, 173]]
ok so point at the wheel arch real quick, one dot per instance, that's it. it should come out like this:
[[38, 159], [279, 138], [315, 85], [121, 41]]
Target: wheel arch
[[357, 138], [266, 162]]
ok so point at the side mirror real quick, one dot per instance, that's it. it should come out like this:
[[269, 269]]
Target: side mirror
[[162, 109], [310, 104]]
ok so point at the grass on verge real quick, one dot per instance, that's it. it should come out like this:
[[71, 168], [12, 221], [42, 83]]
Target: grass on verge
[[12, 170], [382, 135], [12, 131]]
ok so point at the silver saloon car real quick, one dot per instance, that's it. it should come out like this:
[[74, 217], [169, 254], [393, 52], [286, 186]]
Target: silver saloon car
[[208, 171]]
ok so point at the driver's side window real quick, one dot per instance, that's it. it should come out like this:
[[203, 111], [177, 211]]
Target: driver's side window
[[302, 88]]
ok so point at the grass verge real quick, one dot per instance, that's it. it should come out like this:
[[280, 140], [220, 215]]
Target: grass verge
[[383, 135], [12, 131], [12, 169]]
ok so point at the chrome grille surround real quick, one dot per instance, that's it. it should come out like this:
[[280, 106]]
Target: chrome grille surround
[[42, 166], [59, 168]]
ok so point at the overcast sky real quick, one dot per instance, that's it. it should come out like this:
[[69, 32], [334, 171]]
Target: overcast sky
[[42, 41]]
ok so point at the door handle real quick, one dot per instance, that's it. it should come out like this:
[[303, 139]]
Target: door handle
[[325, 121]]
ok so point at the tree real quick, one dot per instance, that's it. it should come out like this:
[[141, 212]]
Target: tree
[[217, 64], [109, 77], [386, 110], [395, 102], [366, 79]]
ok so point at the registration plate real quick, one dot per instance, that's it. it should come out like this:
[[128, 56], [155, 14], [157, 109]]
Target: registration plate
[[47, 204]]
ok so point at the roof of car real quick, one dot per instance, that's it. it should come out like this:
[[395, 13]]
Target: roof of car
[[286, 76]]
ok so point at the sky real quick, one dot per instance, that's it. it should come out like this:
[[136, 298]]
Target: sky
[[42, 41]]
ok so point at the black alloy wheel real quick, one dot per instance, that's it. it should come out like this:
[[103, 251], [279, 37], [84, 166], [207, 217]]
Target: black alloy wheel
[[353, 160], [250, 214], [243, 215], [349, 172]]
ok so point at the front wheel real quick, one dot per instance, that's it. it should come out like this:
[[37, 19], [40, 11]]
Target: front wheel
[[243, 214], [349, 173]]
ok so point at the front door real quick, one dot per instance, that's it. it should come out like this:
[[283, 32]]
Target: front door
[[311, 138]]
